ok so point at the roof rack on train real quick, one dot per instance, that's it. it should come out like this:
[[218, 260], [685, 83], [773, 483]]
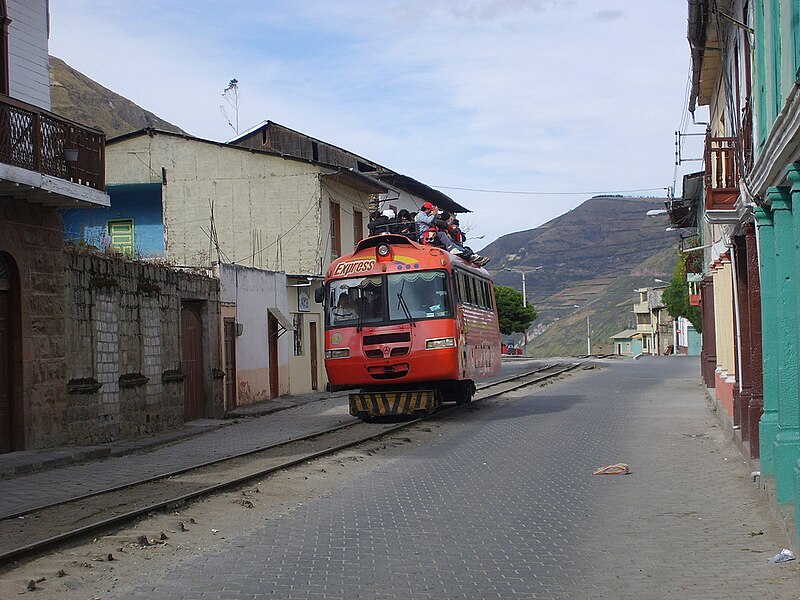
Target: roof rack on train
[[394, 239]]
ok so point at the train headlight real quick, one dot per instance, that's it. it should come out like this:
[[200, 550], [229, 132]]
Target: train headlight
[[338, 353], [383, 250], [437, 343]]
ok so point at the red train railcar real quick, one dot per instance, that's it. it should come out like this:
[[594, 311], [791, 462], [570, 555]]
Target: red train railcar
[[408, 325]]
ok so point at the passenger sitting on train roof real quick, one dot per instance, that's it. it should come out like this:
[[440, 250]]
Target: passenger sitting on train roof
[[405, 224], [383, 223], [450, 225], [429, 233], [428, 226]]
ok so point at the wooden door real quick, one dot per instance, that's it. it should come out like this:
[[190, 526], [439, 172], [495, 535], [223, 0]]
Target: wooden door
[[312, 349], [194, 394], [6, 395], [229, 335], [272, 336]]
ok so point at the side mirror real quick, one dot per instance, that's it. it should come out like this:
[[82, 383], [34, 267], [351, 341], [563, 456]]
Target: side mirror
[[319, 295]]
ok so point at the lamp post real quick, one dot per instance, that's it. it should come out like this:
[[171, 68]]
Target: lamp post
[[524, 296], [588, 331], [588, 335]]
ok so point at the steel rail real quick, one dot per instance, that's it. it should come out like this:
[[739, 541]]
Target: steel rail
[[17, 553]]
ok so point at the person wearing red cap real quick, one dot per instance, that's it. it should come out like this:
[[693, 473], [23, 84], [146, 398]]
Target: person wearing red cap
[[425, 221]]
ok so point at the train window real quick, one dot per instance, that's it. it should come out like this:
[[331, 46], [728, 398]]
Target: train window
[[472, 290], [461, 286], [476, 297], [418, 295], [481, 293], [469, 297], [355, 301]]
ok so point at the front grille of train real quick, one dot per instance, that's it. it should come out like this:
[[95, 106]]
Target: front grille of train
[[378, 354], [386, 338]]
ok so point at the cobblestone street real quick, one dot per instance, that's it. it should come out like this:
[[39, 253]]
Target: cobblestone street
[[504, 505]]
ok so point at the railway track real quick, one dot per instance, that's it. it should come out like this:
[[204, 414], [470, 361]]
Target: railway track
[[50, 525]]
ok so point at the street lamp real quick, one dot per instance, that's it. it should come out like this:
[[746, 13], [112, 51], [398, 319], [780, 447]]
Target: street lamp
[[521, 272], [524, 295], [588, 331]]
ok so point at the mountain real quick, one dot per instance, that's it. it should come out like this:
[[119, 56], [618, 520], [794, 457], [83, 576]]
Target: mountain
[[85, 101], [593, 256]]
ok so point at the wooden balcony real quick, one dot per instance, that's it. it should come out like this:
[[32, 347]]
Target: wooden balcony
[[37, 140], [721, 179]]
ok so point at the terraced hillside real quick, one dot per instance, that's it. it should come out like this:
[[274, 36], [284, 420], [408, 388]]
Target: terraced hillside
[[594, 256]]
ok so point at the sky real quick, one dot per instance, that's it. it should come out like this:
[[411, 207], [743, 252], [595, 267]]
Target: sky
[[519, 110]]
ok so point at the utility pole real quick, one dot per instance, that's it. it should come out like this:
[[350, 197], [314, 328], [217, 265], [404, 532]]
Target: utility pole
[[588, 335], [524, 296], [588, 331]]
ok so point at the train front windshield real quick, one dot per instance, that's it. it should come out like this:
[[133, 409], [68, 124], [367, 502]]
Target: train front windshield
[[399, 297]]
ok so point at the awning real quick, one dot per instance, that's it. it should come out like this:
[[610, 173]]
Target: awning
[[281, 318]]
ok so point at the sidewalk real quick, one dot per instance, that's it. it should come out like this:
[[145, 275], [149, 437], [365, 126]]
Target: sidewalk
[[14, 464], [31, 479]]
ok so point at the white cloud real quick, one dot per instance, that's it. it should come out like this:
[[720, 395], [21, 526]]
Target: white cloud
[[495, 94]]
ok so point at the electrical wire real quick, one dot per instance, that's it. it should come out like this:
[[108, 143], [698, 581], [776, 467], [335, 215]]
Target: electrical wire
[[312, 204], [530, 193]]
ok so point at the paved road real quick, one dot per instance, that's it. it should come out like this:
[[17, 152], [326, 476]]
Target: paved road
[[504, 505]]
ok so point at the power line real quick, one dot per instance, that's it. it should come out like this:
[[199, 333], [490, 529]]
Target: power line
[[528, 193]]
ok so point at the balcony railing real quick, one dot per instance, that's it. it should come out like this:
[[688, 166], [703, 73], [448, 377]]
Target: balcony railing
[[722, 173], [38, 140]]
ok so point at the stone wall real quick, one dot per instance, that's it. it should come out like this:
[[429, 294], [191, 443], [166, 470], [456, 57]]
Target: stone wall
[[123, 321], [30, 237]]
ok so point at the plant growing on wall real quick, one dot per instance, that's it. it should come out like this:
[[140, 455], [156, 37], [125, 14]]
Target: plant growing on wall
[[676, 296]]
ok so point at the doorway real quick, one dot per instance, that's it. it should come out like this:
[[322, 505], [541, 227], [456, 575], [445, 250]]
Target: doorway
[[272, 342], [229, 337], [11, 429], [194, 393], [312, 349]]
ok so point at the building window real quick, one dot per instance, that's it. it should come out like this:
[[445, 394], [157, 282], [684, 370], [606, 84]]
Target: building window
[[121, 234], [358, 226], [297, 322], [336, 230]]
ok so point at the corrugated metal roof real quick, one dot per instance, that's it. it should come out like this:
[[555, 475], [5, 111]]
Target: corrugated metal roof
[[627, 333]]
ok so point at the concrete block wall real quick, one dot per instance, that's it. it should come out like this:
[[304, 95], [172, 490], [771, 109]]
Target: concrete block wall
[[124, 377]]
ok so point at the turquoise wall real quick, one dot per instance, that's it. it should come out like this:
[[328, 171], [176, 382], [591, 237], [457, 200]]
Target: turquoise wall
[[139, 202], [776, 67]]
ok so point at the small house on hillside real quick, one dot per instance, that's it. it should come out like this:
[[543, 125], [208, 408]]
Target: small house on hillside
[[627, 343]]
